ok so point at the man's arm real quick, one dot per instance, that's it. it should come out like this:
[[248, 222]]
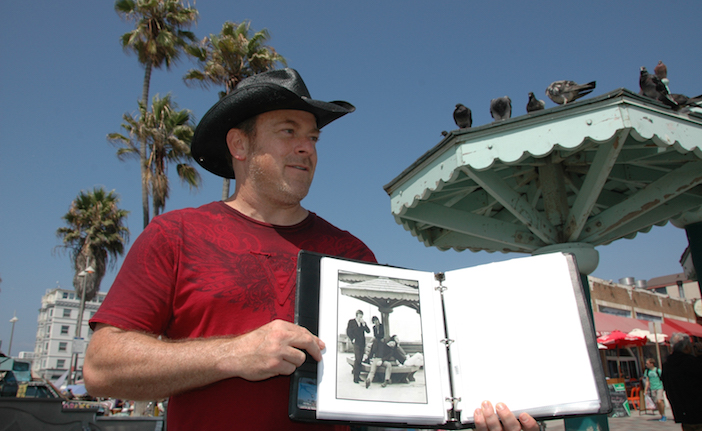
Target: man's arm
[[134, 365]]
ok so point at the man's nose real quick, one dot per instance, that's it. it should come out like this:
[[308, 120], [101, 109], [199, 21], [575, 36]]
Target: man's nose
[[306, 145]]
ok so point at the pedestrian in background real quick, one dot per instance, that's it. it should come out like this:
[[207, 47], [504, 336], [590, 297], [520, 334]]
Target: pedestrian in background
[[654, 386], [682, 380]]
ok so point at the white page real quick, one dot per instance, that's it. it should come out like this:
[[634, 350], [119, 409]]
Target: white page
[[337, 396], [519, 337]]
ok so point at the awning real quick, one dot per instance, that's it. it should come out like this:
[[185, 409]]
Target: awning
[[606, 323], [686, 327]]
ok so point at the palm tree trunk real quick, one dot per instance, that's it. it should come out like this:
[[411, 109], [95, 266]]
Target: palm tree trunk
[[225, 189], [142, 149]]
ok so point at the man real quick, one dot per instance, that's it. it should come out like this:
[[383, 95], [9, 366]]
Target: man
[[378, 335], [356, 330], [682, 380], [217, 283], [655, 386], [201, 309], [389, 353]]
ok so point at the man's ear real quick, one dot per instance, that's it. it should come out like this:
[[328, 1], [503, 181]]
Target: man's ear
[[236, 142]]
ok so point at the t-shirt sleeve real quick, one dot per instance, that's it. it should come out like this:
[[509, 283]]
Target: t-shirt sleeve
[[141, 296]]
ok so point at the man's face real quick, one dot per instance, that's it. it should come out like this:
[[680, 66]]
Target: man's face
[[359, 316], [283, 155]]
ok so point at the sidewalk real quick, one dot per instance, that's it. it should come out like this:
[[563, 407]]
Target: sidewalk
[[643, 422]]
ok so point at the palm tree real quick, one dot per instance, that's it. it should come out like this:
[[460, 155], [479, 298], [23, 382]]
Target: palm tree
[[158, 38], [230, 56], [95, 235], [167, 133]]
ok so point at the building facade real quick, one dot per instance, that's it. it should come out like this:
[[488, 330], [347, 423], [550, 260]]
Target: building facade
[[667, 300], [671, 296], [56, 331]]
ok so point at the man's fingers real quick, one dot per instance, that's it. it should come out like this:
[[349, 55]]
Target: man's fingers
[[486, 419], [509, 421], [502, 419], [304, 340], [528, 422]]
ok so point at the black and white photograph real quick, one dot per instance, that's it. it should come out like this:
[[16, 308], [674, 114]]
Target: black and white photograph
[[380, 354], [402, 371]]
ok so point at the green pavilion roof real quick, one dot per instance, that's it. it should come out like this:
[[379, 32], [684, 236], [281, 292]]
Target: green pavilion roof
[[591, 172]]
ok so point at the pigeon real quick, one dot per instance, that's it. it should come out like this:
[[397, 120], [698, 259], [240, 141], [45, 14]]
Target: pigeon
[[652, 87], [562, 92], [462, 116], [444, 133], [501, 108], [534, 104], [683, 100], [661, 70]]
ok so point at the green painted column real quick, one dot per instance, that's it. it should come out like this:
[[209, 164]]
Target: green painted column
[[694, 239]]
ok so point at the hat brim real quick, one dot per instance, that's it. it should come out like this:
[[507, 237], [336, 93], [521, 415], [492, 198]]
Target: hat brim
[[209, 144]]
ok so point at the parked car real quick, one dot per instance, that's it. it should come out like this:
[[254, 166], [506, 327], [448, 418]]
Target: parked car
[[8, 384], [38, 389], [21, 369]]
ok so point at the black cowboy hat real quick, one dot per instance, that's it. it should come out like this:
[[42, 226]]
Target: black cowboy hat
[[268, 91]]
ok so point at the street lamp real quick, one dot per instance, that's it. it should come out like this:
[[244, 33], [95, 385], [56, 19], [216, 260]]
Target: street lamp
[[12, 334], [79, 323]]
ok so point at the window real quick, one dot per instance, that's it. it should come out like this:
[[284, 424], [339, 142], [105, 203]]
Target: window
[[64, 330], [63, 346], [65, 295], [648, 317], [60, 363], [614, 311], [66, 312], [681, 289]]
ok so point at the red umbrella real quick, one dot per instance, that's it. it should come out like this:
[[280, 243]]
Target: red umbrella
[[618, 339]]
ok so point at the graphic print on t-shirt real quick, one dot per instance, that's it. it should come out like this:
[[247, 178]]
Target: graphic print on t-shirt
[[260, 282]]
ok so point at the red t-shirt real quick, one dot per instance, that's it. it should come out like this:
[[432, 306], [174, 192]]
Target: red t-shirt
[[211, 271]]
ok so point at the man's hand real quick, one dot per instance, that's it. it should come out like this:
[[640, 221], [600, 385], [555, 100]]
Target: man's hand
[[276, 348], [504, 420]]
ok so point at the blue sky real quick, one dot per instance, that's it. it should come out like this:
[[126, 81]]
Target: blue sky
[[66, 84]]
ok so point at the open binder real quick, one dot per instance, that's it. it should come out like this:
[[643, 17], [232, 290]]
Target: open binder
[[517, 332]]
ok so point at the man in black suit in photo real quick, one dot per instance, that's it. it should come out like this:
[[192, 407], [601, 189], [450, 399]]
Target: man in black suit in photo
[[356, 331]]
